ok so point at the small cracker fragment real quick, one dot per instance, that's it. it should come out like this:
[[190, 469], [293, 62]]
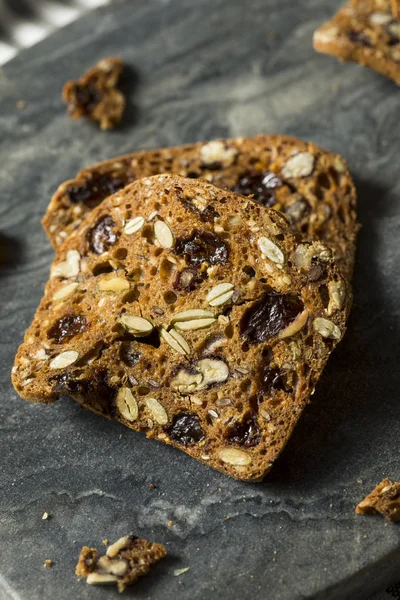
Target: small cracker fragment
[[126, 560], [48, 563], [364, 31], [95, 94], [384, 499]]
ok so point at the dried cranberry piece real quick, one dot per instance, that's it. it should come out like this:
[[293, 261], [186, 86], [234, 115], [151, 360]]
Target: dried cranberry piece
[[102, 236], [261, 185], [67, 327], [187, 279], [95, 189], [129, 355], [246, 433], [207, 214], [185, 429], [359, 37], [271, 379], [203, 246], [96, 390], [269, 315]]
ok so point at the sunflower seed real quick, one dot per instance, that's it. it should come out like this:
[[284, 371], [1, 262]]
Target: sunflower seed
[[220, 294], [163, 234], [134, 225], [120, 544], [157, 410], [136, 325], [64, 291], [126, 404], [195, 324], [271, 250], [176, 341], [189, 315], [115, 284], [234, 457], [64, 359]]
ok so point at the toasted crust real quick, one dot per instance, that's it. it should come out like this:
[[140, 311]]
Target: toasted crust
[[320, 204], [225, 383], [366, 32]]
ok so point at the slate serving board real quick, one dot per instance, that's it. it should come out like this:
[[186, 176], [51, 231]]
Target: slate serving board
[[198, 70]]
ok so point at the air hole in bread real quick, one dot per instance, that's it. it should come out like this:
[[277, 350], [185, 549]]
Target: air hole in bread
[[170, 297], [324, 181], [121, 254], [249, 271], [324, 295], [101, 268]]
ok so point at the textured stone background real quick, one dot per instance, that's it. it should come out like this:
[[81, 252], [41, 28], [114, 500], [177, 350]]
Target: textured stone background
[[201, 69]]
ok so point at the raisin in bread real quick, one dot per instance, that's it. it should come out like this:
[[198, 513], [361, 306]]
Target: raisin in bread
[[192, 316], [364, 31], [311, 186], [126, 560], [95, 94], [384, 499]]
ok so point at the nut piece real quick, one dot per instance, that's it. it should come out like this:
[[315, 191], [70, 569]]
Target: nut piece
[[134, 225], [136, 325], [380, 18], [100, 578], [163, 234], [206, 372], [64, 291], [337, 294], [294, 327], [176, 341], [220, 294], [305, 253], [120, 544], [234, 457], [217, 152], [64, 359], [186, 382], [157, 410], [115, 284], [326, 328], [68, 268], [213, 371], [299, 165], [127, 405], [271, 250]]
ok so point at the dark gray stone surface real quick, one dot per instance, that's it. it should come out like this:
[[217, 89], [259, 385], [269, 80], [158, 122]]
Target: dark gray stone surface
[[204, 68]]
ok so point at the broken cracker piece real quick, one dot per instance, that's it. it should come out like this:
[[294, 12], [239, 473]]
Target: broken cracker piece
[[95, 94], [384, 499], [126, 560]]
